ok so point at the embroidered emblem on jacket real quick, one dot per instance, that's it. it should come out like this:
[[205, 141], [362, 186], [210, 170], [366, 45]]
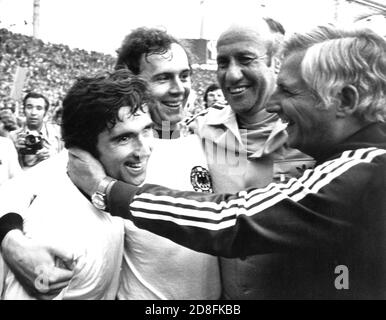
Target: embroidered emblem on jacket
[[200, 180]]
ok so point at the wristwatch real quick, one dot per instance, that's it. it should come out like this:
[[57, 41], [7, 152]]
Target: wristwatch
[[98, 198]]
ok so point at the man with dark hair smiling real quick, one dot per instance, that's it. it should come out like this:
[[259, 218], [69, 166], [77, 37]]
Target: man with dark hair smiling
[[154, 267]]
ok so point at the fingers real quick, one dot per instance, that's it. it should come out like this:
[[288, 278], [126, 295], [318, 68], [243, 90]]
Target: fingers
[[61, 253], [43, 154], [50, 281], [59, 278], [54, 290]]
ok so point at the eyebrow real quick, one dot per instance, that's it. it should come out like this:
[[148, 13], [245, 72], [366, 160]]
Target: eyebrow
[[149, 126]]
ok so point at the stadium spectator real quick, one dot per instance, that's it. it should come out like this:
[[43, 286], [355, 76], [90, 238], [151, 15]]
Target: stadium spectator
[[9, 165], [214, 97], [9, 122], [51, 68], [38, 139], [57, 115]]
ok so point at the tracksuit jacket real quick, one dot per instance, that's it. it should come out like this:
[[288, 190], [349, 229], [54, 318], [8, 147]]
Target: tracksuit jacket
[[327, 228]]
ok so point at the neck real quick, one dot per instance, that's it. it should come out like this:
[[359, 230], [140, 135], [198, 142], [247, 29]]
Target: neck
[[35, 127], [167, 130]]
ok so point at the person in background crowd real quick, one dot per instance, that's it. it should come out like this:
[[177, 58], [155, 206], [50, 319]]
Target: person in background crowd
[[9, 165], [190, 108], [38, 139], [57, 115], [326, 227], [214, 97], [8, 120]]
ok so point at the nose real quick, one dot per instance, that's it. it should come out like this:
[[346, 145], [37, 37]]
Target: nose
[[177, 87], [33, 111], [143, 147], [233, 72]]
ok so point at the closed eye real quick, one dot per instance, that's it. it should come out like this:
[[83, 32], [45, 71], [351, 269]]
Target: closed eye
[[245, 60], [284, 89]]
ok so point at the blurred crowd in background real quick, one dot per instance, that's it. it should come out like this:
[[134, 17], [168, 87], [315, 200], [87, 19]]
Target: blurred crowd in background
[[52, 69]]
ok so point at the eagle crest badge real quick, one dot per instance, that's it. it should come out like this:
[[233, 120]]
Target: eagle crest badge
[[201, 180]]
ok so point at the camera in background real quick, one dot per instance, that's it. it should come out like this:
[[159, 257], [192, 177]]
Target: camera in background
[[33, 143]]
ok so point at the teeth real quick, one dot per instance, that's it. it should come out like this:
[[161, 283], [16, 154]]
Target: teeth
[[173, 105], [236, 90], [135, 165]]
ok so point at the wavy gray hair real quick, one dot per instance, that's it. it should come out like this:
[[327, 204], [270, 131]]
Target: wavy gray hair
[[336, 58]]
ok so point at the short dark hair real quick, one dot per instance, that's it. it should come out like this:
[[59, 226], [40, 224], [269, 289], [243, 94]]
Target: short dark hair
[[92, 105], [146, 41], [212, 87], [36, 95]]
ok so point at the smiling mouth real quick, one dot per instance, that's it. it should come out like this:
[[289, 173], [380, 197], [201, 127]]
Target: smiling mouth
[[173, 105], [237, 90], [136, 166]]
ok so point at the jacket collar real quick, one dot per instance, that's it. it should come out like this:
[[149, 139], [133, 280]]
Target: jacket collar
[[371, 135], [225, 117], [271, 131]]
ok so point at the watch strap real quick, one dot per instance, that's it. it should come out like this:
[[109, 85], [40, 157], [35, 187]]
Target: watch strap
[[99, 197], [103, 185]]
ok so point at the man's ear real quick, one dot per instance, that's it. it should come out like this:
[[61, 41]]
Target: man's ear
[[349, 99]]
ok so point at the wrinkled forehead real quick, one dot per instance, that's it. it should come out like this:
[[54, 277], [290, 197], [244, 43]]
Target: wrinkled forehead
[[173, 60], [290, 73]]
